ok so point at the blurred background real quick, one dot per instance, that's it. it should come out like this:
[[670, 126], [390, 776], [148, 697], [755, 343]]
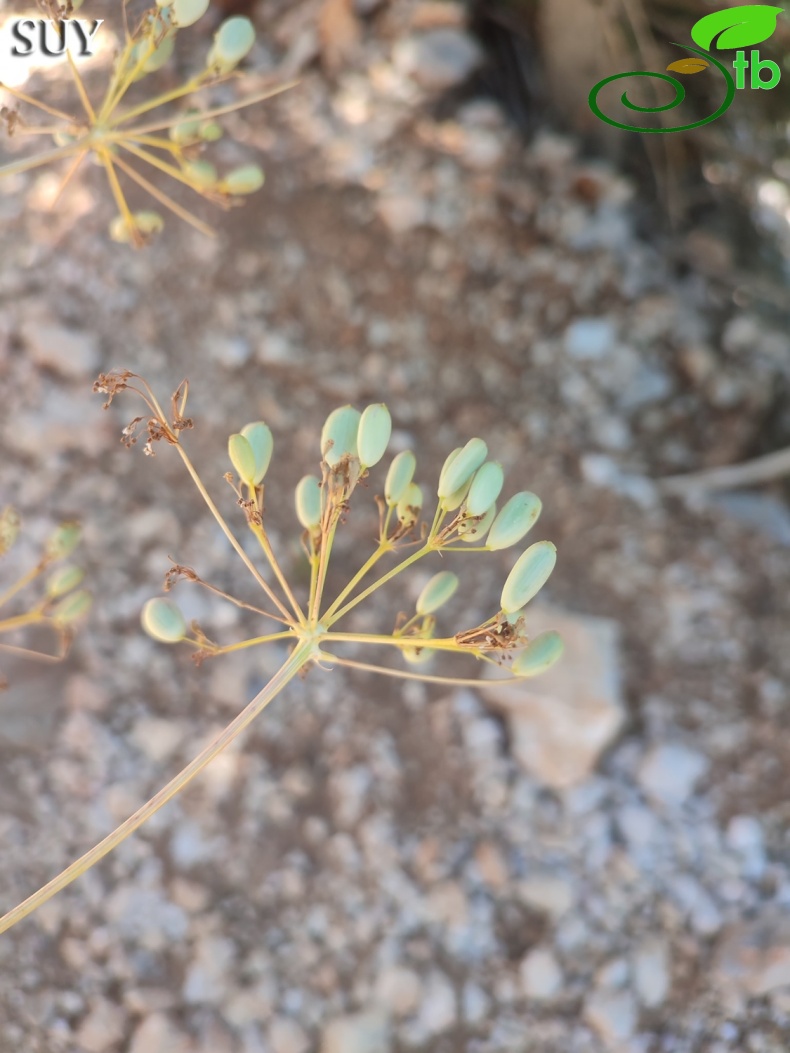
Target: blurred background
[[598, 862]]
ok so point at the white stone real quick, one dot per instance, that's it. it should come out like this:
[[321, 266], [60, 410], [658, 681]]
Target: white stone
[[475, 1003], [70, 352], [590, 338], [357, 1033], [541, 975], [561, 722], [612, 1015], [547, 893], [398, 990], [438, 59], [438, 1009], [753, 957], [402, 211], [348, 790], [652, 971], [104, 1025], [157, 1034], [669, 773], [286, 1036]]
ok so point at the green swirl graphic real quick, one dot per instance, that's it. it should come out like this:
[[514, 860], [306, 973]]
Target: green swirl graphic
[[680, 94]]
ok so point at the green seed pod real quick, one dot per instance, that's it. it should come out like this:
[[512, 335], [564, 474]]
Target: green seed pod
[[188, 131], [201, 174], [399, 476], [459, 467], [308, 502], [10, 524], [437, 592], [539, 655], [63, 541], [210, 132], [242, 458], [515, 520], [243, 180], [71, 608], [119, 230], [529, 575], [232, 41], [339, 435], [418, 656], [259, 436], [148, 222], [456, 499], [156, 59], [375, 428], [187, 12], [485, 489], [410, 505], [163, 621], [476, 528], [63, 580]]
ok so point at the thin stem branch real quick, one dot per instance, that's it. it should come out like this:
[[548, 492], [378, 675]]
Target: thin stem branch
[[263, 540], [383, 548], [26, 163], [230, 535], [403, 674], [164, 199], [39, 105], [209, 114], [86, 102], [298, 658], [22, 582], [253, 642], [403, 643], [424, 551]]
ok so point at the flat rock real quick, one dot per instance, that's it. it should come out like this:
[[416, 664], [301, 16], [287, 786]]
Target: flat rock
[[356, 1033], [612, 1015], [70, 352], [439, 58], [561, 722], [753, 957], [670, 771]]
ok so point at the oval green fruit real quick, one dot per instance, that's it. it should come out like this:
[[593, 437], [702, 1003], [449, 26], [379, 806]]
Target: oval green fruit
[[339, 435], [530, 573], [400, 474], [308, 502], [437, 592], [375, 428], [539, 655], [163, 621], [515, 520]]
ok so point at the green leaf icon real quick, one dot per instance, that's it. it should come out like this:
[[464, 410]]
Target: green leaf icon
[[737, 27]]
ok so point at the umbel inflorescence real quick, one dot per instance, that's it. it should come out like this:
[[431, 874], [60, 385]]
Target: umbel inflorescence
[[120, 136], [60, 603], [468, 518]]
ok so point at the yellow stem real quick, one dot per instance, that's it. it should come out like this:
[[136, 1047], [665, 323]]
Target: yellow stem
[[16, 167], [86, 102], [403, 674], [164, 199], [39, 105], [298, 658], [204, 115], [263, 540], [230, 535]]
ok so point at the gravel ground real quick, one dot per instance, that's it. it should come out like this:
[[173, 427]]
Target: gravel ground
[[597, 864]]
